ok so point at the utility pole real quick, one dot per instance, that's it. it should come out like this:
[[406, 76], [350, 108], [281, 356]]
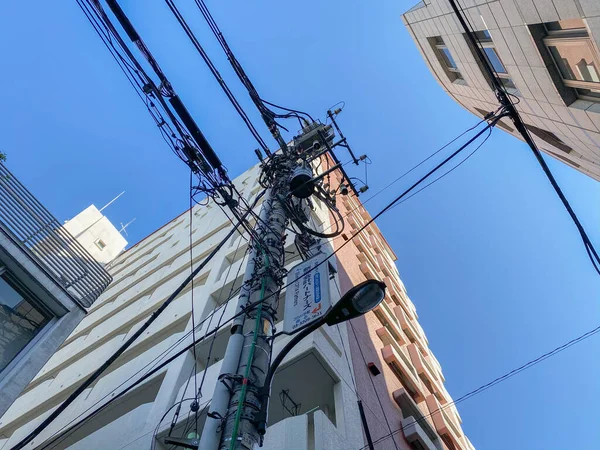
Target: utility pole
[[247, 356], [236, 399]]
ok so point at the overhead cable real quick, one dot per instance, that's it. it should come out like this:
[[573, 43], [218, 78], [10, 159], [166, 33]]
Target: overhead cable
[[505, 100], [268, 115], [94, 376], [449, 171], [409, 171], [360, 230], [498, 380], [192, 37]]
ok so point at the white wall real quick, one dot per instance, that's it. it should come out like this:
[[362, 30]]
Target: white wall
[[89, 227]]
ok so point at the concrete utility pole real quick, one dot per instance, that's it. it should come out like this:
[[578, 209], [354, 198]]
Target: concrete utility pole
[[247, 357], [246, 362], [235, 408]]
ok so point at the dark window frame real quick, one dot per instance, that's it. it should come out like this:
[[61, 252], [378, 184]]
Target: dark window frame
[[547, 35], [448, 65], [485, 42], [35, 304]]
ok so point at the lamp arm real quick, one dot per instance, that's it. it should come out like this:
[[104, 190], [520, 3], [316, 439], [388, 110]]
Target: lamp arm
[[265, 390]]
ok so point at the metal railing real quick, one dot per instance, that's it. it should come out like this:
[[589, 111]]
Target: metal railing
[[31, 226]]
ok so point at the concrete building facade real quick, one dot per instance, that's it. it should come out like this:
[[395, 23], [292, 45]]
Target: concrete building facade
[[47, 280], [397, 375], [315, 390], [544, 52]]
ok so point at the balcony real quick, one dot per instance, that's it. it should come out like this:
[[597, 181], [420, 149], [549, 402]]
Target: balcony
[[444, 425], [387, 319], [403, 369], [408, 326], [25, 222], [426, 373], [417, 426], [308, 403]]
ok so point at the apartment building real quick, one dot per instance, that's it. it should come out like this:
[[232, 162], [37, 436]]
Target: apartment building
[[544, 52], [315, 390], [397, 375]]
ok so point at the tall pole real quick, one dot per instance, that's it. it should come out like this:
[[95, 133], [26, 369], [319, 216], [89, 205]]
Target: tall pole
[[237, 408], [247, 358]]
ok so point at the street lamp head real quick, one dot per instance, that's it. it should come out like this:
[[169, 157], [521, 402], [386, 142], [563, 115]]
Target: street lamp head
[[356, 302]]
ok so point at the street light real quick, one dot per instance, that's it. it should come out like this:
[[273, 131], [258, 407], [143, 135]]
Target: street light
[[357, 301]]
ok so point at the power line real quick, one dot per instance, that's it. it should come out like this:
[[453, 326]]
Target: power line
[[125, 346], [154, 361], [191, 332], [397, 199], [365, 364], [212, 343], [391, 183], [222, 306], [267, 115], [71, 398], [372, 383], [505, 100], [191, 251], [192, 37], [449, 171], [169, 360], [500, 379]]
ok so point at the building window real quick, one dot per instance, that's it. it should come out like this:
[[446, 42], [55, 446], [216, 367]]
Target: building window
[[549, 137], [21, 318], [575, 55], [484, 39], [100, 244], [446, 59]]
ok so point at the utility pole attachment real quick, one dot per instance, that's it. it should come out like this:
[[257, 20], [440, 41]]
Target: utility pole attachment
[[236, 404]]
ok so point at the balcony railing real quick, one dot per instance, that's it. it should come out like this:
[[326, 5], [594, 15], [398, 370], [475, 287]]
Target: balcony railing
[[39, 234]]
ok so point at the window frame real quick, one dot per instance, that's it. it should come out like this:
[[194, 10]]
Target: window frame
[[16, 284], [489, 43], [573, 36], [484, 40], [439, 45]]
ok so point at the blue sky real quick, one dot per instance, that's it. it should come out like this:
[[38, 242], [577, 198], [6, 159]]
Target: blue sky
[[488, 254]]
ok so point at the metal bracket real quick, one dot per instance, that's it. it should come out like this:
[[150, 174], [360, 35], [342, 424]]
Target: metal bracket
[[234, 378], [183, 442]]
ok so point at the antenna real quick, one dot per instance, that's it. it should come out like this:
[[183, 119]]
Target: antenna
[[123, 227], [112, 201]]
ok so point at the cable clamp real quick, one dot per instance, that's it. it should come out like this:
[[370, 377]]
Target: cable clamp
[[229, 377]]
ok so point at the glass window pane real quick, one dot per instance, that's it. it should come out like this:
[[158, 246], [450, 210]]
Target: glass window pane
[[483, 36], [448, 58], [576, 61], [20, 321], [494, 60]]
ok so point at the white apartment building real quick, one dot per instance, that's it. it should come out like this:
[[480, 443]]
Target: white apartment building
[[315, 376]]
